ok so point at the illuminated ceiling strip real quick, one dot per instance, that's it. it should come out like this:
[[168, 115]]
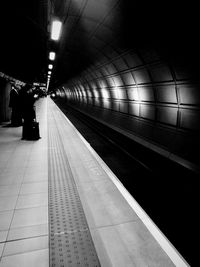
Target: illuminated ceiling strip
[[52, 55], [56, 30]]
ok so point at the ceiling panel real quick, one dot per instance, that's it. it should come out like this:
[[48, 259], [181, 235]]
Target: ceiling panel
[[94, 29]]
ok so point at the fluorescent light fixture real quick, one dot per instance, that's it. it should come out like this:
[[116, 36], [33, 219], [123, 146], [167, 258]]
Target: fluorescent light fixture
[[49, 72], [52, 55], [50, 66], [56, 30]]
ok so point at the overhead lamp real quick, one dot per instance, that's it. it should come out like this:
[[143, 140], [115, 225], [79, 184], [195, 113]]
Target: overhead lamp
[[49, 72], [56, 30], [50, 66], [52, 55]]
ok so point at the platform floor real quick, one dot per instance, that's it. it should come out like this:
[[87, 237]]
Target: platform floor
[[60, 205]]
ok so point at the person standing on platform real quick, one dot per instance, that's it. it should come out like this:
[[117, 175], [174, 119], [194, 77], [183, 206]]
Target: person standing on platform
[[14, 104], [27, 101]]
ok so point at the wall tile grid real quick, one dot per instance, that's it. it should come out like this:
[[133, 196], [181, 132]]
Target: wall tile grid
[[145, 89]]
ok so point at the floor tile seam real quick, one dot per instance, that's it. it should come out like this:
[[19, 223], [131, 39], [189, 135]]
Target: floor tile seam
[[37, 193], [125, 222], [20, 209], [25, 238], [36, 206], [37, 168], [80, 184], [35, 182], [8, 184], [1, 212], [8, 160], [14, 211], [22, 227], [8, 195], [31, 182], [24, 173], [26, 194], [30, 179], [24, 252]]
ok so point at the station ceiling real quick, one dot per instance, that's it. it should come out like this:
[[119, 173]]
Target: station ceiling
[[93, 29]]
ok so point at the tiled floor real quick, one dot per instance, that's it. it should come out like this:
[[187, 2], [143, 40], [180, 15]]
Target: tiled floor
[[24, 197], [122, 233]]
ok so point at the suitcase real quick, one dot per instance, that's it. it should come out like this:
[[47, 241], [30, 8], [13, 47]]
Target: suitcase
[[31, 131]]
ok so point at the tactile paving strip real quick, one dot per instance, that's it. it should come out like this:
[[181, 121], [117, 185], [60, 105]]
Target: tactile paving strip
[[70, 239]]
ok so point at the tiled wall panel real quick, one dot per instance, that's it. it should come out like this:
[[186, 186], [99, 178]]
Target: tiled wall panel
[[190, 119], [189, 94], [140, 93], [134, 109], [146, 93], [160, 73], [147, 112], [141, 76], [123, 107], [166, 94], [167, 115]]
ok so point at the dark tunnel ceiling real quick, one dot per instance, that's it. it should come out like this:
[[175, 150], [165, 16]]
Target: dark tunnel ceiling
[[94, 29], [23, 45]]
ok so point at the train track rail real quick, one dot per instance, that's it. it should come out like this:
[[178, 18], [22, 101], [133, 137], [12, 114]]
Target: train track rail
[[164, 189]]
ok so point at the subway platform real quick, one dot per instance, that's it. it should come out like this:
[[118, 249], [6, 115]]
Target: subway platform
[[60, 205]]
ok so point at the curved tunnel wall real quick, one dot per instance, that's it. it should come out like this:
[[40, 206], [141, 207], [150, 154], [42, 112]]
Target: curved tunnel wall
[[142, 95]]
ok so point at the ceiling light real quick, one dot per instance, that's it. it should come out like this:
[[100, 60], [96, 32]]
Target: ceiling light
[[52, 55], [56, 30], [50, 66], [49, 72]]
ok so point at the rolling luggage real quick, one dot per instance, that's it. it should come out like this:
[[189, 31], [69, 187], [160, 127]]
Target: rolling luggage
[[31, 131]]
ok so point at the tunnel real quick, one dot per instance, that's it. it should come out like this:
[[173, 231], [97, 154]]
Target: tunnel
[[131, 65]]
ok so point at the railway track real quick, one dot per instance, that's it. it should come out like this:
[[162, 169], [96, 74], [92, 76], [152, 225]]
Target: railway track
[[163, 189]]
